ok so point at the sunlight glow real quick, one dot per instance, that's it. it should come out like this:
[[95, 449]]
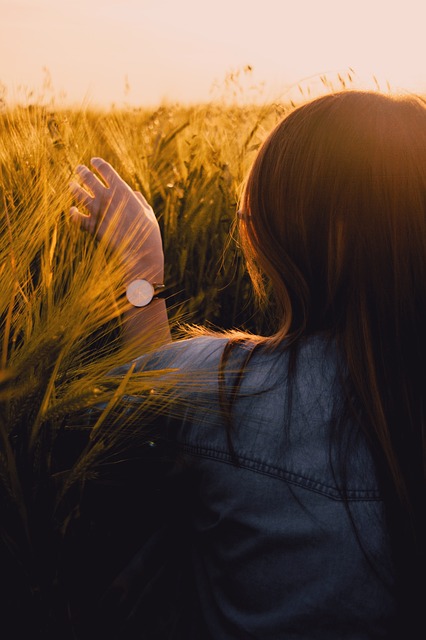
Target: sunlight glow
[[146, 51]]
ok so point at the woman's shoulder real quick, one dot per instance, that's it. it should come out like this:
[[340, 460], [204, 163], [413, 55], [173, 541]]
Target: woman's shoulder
[[186, 354], [235, 351], [312, 361]]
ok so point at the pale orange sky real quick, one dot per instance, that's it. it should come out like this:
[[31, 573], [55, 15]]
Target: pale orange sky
[[177, 49]]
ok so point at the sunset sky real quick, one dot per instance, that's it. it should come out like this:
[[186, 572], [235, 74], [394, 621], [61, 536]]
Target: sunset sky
[[146, 51]]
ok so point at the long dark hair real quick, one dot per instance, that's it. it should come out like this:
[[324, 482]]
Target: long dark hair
[[334, 213]]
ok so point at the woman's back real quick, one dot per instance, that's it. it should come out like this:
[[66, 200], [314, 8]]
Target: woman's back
[[283, 545]]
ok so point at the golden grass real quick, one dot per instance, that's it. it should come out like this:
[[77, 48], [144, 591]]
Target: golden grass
[[59, 300]]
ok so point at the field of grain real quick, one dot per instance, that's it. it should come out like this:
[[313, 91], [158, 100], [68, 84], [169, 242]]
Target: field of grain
[[60, 318]]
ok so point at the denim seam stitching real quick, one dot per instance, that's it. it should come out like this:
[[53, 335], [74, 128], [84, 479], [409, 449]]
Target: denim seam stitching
[[280, 474]]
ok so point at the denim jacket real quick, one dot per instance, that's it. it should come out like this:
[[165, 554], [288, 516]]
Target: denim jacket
[[276, 550]]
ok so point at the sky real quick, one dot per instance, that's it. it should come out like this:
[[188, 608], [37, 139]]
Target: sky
[[145, 52]]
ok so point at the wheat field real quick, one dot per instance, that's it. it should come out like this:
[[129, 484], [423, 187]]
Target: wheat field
[[60, 318]]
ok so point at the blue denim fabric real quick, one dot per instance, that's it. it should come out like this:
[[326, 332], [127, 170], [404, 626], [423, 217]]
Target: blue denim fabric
[[276, 552]]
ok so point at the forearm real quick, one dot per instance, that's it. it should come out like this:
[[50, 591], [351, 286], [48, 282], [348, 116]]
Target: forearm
[[126, 223], [146, 328]]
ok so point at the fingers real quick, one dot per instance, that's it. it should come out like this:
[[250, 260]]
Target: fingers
[[83, 198], [84, 222], [109, 200], [89, 191], [89, 179], [105, 170]]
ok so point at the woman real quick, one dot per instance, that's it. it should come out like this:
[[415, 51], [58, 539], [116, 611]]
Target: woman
[[306, 449]]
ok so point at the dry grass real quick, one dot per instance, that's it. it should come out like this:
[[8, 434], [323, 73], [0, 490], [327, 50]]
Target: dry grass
[[60, 319]]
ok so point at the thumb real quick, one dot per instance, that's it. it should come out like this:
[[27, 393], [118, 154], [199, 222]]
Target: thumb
[[80, 219]]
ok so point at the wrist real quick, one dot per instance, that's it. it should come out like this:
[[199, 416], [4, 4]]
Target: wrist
[[137, 270], [140, 292], [143, 261]]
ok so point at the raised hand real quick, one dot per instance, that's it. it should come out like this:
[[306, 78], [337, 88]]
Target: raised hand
[[112, 212]]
